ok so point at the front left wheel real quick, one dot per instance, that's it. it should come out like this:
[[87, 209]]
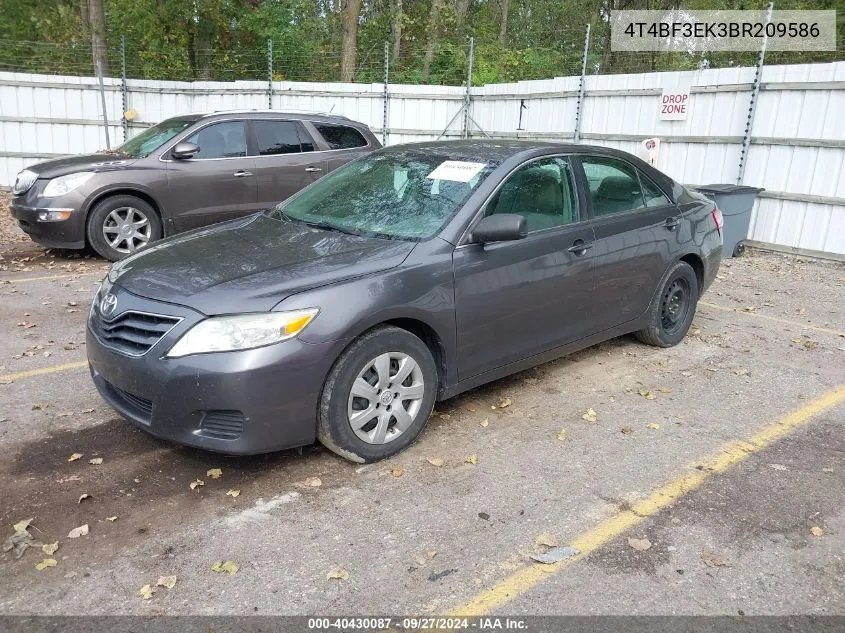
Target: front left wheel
[[378, 395], [120, 225]]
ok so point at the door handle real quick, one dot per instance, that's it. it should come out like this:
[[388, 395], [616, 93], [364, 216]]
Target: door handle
[[580, 247], [242, 174], [312, 168], [672, 223]]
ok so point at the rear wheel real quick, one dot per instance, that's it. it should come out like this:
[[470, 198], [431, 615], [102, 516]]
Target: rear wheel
[[378, 396], [672, 312], [120, 225], [739, 249]]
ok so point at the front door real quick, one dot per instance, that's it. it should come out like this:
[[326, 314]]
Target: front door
[[521, 298], [638, 232], [217, 184]]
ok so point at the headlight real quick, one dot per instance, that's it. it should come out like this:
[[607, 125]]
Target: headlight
[[63, 184], [242, 331]]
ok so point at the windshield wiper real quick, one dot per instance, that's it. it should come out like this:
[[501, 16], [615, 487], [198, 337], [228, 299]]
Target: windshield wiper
[[328, 226]]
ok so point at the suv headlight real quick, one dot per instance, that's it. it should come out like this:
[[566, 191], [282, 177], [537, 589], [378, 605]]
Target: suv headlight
[[241, 331], [64, 184]]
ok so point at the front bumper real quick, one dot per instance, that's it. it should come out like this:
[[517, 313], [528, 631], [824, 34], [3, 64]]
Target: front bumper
[[239, 403], [68, 233]]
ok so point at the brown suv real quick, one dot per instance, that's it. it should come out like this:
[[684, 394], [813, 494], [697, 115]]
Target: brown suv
[[183, 173]]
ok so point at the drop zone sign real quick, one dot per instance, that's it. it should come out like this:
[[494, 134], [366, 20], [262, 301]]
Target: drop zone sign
[[674, 104]]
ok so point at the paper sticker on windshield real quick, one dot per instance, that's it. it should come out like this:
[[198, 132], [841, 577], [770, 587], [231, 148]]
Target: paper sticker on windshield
[[456, 170]]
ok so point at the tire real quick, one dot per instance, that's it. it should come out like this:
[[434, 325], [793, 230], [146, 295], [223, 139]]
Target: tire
[[379, 435], [109, 216], [672, 311], [739, 249]]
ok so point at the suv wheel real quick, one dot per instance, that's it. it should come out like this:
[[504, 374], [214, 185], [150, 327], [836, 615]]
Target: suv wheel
[[120, 225], [673, 309], [378, 396]]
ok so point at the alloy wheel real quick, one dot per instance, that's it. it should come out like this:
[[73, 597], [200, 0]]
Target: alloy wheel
[[127, 229]]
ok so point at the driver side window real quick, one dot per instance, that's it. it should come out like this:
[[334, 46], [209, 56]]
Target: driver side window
[[542, 192], [220, 140]]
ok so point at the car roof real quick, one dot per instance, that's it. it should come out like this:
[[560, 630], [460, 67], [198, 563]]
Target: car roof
[[499, 150], [308, 115]]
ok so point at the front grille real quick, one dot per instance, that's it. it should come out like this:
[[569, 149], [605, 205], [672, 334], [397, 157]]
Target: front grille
[[132, 333], [24, 181], [141, 404], [223, 425]]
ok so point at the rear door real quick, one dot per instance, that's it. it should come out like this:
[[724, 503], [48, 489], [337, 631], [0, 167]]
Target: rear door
[[637, 236], [517, 299], [286, 159], [217, 184], [343, 142]]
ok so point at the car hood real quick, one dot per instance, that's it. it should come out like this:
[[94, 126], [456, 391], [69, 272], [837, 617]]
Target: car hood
[[84, 162], [251, 264]]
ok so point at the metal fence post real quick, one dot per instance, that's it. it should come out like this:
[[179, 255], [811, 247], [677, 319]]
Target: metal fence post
[[103, 99], [468, 96], [579, 107], [270, 74], [384, 122], [752, 108], [123, 88]]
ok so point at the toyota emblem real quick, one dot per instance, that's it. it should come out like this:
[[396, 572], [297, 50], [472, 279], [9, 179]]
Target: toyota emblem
[[108, 304]]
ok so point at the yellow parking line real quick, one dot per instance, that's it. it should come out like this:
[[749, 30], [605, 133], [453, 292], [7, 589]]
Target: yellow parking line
[[43, 370], [51, 277], [805, 326], [521, 581]]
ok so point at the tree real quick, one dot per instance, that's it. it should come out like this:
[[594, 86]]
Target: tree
[[433, 27], [349, 53], [503, 24], [97, 19], [396, 17]]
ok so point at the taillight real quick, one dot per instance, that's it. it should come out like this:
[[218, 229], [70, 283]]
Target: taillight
[[717, 219]]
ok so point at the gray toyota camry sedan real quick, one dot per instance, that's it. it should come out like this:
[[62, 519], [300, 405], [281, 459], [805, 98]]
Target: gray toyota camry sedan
[[405, 277]]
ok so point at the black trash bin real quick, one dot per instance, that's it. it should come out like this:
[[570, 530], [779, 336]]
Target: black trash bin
[[735, 202]]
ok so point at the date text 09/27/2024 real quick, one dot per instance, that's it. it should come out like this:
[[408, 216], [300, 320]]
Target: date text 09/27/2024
[[416, 623]]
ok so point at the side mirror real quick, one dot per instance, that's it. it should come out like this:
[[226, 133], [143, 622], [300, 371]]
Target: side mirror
[[184, 150], [499, 227]]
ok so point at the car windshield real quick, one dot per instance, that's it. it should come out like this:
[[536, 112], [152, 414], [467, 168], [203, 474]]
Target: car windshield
[[398, 194], [152, 138]]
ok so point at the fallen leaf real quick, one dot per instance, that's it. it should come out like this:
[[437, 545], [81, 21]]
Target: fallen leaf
[[314, 482], [626, 430], [741, 371], [664, 390], [196, 484], [47, 562], [76, 532], [471, 459], [555, 555], [436, 461], [430, 554], [50, 548], [808, 344], [778, 466], [561, 435], [21, 526], [712, 559], [749, 309], [816, 531], [398, 471], [590, 416], [229, 567], [83, 496], [505, 402], [168, 582], [339, 573], [214, 473], [233, 493], [648, 395], [88, 410], [112, 519], [652, 426], [485, 422], [546, 538], [639, 544], [146, 592], [95, 461], [74, 457]]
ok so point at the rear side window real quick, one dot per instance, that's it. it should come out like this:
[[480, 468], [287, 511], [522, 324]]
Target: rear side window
[[280, 137], [615, 186], [651, 192], [341, 136]]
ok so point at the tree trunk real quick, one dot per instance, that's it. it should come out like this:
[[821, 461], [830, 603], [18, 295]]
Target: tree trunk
[[461, 10], [97, 20], [433, 25], [203, 46], [349, 54], [83, 16], [396, 27], [503, 25]]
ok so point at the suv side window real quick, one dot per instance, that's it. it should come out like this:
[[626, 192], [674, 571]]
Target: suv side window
[[220, 140], [341, 136], [278, 137], [542, 192]]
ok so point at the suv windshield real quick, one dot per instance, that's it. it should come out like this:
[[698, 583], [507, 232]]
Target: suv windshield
[[151, 139], [405, 195]]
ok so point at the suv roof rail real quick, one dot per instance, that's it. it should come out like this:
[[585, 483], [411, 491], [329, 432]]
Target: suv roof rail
[[285, 111]]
